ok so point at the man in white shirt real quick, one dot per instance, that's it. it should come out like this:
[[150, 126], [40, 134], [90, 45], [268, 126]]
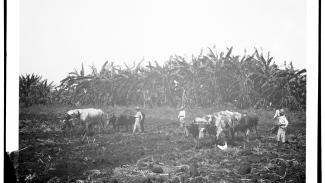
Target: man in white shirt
[[138, 117], [181, 117], [283, 124]]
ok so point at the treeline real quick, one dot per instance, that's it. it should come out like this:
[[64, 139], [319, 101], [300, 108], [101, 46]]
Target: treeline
[[204, 80]]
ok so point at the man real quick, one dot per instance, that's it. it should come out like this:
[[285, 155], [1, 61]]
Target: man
[[282, 124], [181, 120], [138, 118], [181, 116]]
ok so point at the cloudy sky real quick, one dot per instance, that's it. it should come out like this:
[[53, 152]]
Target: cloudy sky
[[56, 36]]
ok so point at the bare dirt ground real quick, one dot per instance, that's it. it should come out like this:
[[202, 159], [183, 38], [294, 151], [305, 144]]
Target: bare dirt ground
[[161, 154]]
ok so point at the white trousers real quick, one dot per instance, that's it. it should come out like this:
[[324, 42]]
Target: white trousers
[[137, 126], [281, 136]]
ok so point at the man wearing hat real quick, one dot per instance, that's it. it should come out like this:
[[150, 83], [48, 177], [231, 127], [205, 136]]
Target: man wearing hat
[[138, 118], [283, 124], [181, 116]]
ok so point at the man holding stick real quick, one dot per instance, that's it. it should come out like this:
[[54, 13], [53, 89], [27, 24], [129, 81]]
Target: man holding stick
[[282, 124]]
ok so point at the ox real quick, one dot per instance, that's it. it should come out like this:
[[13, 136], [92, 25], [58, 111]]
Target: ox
[[247, 123], [234, 122], [194, 130], [200, 128], [124, 120], [223, 121], [88, 117], [112, 120]]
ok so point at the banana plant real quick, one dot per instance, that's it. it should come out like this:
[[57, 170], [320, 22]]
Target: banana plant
[[206, 79]]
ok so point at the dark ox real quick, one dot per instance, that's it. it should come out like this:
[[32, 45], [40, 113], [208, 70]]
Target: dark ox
[[112, 121], [124, 120], [247, 123], [194, 130], [199, 131]]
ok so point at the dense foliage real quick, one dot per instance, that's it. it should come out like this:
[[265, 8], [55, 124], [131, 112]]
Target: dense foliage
[[205, 80], [33, 90]]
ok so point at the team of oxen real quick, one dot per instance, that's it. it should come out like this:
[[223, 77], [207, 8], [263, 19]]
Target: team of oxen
[[226, 122], [92, 118], [212, 126]]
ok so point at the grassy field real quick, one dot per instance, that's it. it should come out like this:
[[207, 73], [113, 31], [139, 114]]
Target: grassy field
[[49, 154]]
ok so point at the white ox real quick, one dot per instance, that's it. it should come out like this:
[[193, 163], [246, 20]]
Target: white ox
[[213, 124], [224, 121], [216, 123], [89, 117], [228, 121]]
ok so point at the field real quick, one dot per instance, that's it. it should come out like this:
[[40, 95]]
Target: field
[[50, 154]]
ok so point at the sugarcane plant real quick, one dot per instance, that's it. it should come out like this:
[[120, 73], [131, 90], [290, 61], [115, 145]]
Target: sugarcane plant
[[207, 79]]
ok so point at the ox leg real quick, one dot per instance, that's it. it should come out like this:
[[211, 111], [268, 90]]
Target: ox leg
[[213, 140], [134, 127], [247, 135], [114, 127], [219, 130], [232, 132], [197, 143], [98, 125], [185, 131], [88, 128], [131, 126], [142, 126], [256, 132], [102, 124]]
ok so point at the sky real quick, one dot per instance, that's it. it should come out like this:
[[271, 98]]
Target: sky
[[56, 36]]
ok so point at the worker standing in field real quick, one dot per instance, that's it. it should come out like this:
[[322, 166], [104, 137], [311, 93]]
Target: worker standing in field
[[282, 123], [181, 117], [138, 118]]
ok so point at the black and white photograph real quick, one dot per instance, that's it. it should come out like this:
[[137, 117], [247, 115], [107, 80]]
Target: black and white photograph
[[183, 91]]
